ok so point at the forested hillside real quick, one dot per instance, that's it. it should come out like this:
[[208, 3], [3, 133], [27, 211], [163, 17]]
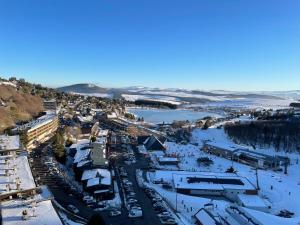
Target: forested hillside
[[281, 135], [17, 103]]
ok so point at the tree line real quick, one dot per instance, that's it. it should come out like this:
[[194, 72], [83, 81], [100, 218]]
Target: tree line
[[281, 135]]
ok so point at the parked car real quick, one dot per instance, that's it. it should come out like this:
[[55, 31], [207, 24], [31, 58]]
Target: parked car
[[131, 200], [168, 221], [73, 209], [164, 214], [135, 213], [113, 213]]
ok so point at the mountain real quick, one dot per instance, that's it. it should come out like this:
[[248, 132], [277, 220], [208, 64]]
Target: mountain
[[179, 96], [83, 89]]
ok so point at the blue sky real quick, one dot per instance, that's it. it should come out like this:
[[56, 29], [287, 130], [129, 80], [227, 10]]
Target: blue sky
[[203, 44]]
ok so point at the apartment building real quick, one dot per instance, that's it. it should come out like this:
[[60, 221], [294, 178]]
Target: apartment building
[[50, 105], [39, 130]]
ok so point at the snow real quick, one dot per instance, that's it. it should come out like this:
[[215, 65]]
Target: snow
[[167, 159], [277, 189], [89, 174], [159, 98], [7, 83], [42, 213], [100, 95], [93, 182], [34, 124], [96, 177], [18, 171], [181, 181], [9, 142], [81, 155], [251, 201], [205, 218]]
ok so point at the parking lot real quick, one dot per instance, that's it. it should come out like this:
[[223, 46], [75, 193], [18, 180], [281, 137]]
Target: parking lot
[[136, 209]]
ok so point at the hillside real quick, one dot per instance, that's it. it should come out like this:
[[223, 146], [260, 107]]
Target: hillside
[[17, 104], [83, 88]]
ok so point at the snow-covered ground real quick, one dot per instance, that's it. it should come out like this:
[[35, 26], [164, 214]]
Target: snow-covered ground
[[277, 189], [167, 99]]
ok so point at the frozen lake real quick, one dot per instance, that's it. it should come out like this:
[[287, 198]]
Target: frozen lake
[[168, 115]]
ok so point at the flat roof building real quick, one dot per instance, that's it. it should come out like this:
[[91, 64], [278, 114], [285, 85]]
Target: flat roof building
[[39, 130]]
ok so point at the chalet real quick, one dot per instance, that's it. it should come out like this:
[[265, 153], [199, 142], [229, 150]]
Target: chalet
[[150, 143], [98, 182]]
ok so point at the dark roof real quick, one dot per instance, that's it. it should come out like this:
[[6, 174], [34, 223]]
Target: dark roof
[[142, 139], [152, 143]]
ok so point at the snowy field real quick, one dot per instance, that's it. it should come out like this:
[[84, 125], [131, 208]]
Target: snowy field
[[276, 189], [169, 115]]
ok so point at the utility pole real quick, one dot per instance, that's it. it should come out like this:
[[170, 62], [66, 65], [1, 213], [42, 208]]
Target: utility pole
[[257, 183], [176, 197]]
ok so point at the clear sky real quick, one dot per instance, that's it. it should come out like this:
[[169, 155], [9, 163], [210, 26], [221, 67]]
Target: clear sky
[[203, 44]]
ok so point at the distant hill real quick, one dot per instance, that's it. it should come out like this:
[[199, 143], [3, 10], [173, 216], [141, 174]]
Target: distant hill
[[83, 88]]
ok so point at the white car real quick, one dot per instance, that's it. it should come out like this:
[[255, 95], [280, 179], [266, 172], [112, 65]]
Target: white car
[[133, 213], [164, 214], [114, 213], [131, 200], [73, 209]]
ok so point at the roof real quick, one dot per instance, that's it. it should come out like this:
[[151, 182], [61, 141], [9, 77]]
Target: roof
[[167, 159], [81, 155], [102, 132], [205, 217], [44, 213], [251, 200], [142, 139], [97, 177], [256, 155], [88, 174], [9, 142], [152, 143], [37, 123], [211, 181], [17, 170], [80, 143]]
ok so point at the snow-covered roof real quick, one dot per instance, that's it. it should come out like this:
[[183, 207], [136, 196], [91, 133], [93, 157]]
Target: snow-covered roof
[[89, 174], [205, 217], [251, 200], [211, 181], [96, 177], [80, 143], [42, 213], [81, 155], [37, 123], [167, 159], [101, 140], [9, 142], [16, 170], [102, 132]]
